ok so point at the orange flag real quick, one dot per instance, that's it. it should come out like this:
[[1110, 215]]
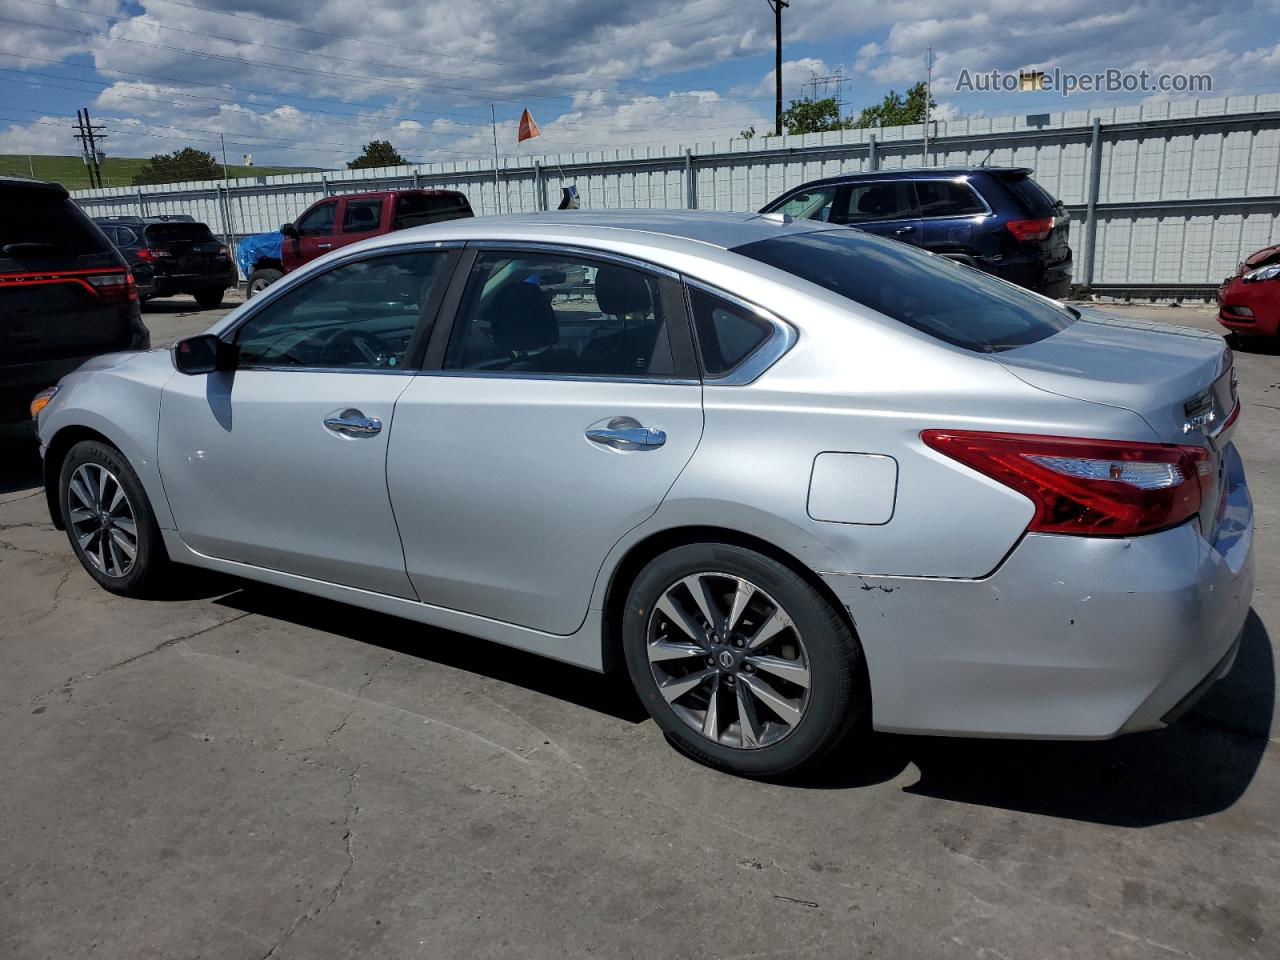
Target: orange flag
[[528, 128]]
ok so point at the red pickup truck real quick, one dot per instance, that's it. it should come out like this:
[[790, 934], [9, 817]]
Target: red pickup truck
[[337, 221]]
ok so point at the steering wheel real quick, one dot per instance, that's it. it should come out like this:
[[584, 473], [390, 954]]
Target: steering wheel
[[347, 342]]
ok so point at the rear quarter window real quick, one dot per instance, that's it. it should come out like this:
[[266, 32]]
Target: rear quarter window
[[1038, 201], [41, 225], [947, 300], [418, 209]]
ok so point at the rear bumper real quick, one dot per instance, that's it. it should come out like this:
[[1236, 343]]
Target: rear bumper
[[1050, 279], [163, 285], [1071, 638], [20, 383]]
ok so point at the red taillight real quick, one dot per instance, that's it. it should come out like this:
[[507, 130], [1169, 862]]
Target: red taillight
[[1088, 487], [114, 287], [1027, 230], [151, 256]]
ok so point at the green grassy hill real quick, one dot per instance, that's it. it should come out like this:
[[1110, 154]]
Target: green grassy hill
[[116, 171]]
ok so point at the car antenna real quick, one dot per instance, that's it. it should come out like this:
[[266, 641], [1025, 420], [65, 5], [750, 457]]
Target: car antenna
[[987, 157]]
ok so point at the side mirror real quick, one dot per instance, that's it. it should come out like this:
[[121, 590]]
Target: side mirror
[[289, 230], [203, 354]]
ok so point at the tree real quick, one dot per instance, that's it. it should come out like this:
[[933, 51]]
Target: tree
[[377, 153], [185, 164], [894, 110], [812, 116]]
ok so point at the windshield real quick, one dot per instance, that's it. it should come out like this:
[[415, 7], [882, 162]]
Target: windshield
[[945, 299]]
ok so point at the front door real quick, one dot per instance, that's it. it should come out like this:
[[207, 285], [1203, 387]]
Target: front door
[[886, 207], [567, 406], [317, 235], [281, 463]]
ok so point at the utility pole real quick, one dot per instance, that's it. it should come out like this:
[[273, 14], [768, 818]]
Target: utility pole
[[928, 95], [497, 187], [776, 6], [89, 136]]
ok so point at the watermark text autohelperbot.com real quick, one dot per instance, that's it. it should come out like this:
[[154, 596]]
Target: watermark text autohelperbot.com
[[1061, 81]]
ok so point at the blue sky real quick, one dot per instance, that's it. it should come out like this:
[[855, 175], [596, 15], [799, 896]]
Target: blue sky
[[162, 74]]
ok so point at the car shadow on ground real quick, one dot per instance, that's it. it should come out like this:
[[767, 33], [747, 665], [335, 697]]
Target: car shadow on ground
[[183, 305], [1199, 766], [611, 695]]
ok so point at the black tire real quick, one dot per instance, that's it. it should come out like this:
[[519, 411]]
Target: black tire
[[208, 299], [259, 280], [837, 693], [150, 565]]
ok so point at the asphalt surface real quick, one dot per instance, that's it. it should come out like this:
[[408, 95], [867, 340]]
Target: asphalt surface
[[237, 771]]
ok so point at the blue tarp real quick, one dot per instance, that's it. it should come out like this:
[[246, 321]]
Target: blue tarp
[[251, 248]]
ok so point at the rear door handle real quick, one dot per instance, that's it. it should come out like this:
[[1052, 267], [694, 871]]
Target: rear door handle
[[902, 230], [353, 423], [323, 246], [625, 433]]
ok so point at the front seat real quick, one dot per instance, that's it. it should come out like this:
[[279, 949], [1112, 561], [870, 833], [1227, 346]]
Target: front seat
[[623, 294], [523, 326], [878, 202]]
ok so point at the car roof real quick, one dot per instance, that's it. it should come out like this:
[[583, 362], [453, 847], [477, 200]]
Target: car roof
[[382, 193], [913, 173], [608, 228], [26, 183]]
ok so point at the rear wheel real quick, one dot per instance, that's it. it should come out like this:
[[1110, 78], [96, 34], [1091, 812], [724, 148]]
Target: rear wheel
[[109, 520], [741, 661], [259, 280], [209, 298]]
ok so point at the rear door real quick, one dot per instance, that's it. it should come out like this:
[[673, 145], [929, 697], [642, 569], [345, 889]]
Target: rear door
[[362, 217], [317, 234], [952, 215], [885, 207], [567, 405]]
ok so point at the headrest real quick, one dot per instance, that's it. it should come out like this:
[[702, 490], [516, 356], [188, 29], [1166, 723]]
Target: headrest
[[876, 200], [521, 319], [621, 291]]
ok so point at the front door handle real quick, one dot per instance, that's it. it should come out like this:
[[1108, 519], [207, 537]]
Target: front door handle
[[323, 246], [902, 230], [625, 433], [353, 423]]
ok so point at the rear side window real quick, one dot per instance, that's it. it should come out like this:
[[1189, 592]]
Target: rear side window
[[948, 198], [416, 209], [362, 216], [945, 299], [177, 232], [727, 333], [887, 200], [40, 223], [1030, 194]]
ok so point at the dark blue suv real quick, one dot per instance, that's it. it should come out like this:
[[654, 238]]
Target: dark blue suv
[[994, 218]]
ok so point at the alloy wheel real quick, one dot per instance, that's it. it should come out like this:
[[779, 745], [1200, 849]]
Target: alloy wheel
[[102, 519], [729, 660]]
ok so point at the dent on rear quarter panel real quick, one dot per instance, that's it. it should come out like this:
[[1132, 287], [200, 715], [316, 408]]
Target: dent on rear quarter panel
[[123, 404]]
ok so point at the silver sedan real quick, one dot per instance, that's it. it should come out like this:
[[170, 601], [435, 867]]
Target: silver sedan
[[789, 476]]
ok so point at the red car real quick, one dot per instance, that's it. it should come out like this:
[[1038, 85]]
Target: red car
[[337, 221], [1249, 302]]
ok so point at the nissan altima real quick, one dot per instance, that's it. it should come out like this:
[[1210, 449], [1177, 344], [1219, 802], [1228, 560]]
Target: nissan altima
[[789, 476]]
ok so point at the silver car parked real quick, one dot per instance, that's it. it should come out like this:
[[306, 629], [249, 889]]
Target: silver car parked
[[789, 474]]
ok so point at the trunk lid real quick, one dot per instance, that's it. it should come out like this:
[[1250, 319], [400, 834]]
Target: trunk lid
[[1179, 380]]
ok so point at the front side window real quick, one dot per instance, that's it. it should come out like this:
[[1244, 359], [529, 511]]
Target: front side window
[[727, 333], [809, 204], [945, 299], [948, 198], [360, 315], [362, 216], [560, 314], [319, 222], [886, 200]]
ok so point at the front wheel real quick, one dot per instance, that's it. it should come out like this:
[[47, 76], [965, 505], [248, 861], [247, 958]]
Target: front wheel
[[742, 662], [259, 280], [109, 520]]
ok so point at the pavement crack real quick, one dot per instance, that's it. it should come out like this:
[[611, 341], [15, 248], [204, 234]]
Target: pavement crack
[[163, 645], [355, 698], [353, 809]]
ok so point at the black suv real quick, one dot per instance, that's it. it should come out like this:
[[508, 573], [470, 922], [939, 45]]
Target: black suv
[[994, 218], [171, 255], [66, 293]]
